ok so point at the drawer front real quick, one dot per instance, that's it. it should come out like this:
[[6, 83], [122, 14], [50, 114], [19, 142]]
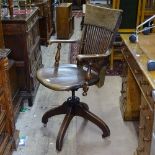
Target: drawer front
[[36, 63], [32, 36], [34, 81], [145, 128], [147, 91], [143, 83], [133, 65], [35, 32], [33, 57], [4, 139], [29, 40], [13, 29], [32, 21]]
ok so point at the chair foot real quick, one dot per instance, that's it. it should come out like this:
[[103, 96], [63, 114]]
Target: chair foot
[[73, 107], [62, 109], [45, 125], [63, 129], [86, 114]]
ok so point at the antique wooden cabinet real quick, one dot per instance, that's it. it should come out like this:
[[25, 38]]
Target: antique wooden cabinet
[[21, 35], [8, 133], [64, 21], [138, 89], [45, 18]]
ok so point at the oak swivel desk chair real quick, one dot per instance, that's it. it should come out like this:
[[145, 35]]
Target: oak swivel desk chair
[[98, 33]]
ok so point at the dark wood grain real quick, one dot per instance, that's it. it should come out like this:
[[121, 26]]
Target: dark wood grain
[[64, 21], [45, 18], [21, 35], [7, 123]]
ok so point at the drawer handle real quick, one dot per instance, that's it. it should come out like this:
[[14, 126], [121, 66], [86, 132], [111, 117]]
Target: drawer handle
[[144, 107], [123, 91], [147, 117], [144, 83], [137, 71], [146, 139], [125, 98], [127, 56], [140, 149], [141, 127]]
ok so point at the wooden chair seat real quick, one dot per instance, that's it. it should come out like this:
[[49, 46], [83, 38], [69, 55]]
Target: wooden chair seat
[[65, 77]]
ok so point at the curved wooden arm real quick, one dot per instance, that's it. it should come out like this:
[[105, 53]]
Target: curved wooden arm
[[51, 41], [82, 57]]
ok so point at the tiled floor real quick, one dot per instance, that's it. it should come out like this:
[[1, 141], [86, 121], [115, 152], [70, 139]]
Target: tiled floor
[[82, 138]]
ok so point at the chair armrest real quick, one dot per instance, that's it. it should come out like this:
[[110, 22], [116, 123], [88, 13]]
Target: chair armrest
[[61, 41], [89, 59], [82, 57]]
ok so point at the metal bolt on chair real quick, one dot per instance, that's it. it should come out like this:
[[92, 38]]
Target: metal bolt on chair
[[99, 30]]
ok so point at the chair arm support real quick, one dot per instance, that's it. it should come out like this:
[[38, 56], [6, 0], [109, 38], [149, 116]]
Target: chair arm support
[[51, 41], [57, 56], [87, 78], [82, 57]]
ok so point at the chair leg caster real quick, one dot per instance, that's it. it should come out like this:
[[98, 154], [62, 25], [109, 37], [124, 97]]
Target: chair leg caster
[[45, 125], [105, 135], [58, 147]]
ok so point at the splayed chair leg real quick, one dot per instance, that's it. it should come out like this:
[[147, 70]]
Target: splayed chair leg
[[63, 129], [62, 109], [86, 114]]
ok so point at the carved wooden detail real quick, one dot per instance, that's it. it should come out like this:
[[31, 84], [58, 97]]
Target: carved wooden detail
[[8, 133], [21, 35]]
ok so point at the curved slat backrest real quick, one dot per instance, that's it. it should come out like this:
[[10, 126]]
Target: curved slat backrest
[[100, 25]]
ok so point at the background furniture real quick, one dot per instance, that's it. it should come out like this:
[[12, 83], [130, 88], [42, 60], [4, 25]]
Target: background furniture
[[69, 77], [116, 54], [130, 19], [17, 98], [21, 35], [147, 9], [76, 4], [64, 21], [8, 133], [131, 14], [45, 18], [140, 83]]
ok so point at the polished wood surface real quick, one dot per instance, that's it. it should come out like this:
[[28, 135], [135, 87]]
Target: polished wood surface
[[141, 55], [136, 56], [129, 104], [7, 122], [62, 77], [64, 21], [21, 35], [1, 36]]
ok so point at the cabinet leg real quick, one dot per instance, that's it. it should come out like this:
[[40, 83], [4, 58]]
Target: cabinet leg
[[30, 102]]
